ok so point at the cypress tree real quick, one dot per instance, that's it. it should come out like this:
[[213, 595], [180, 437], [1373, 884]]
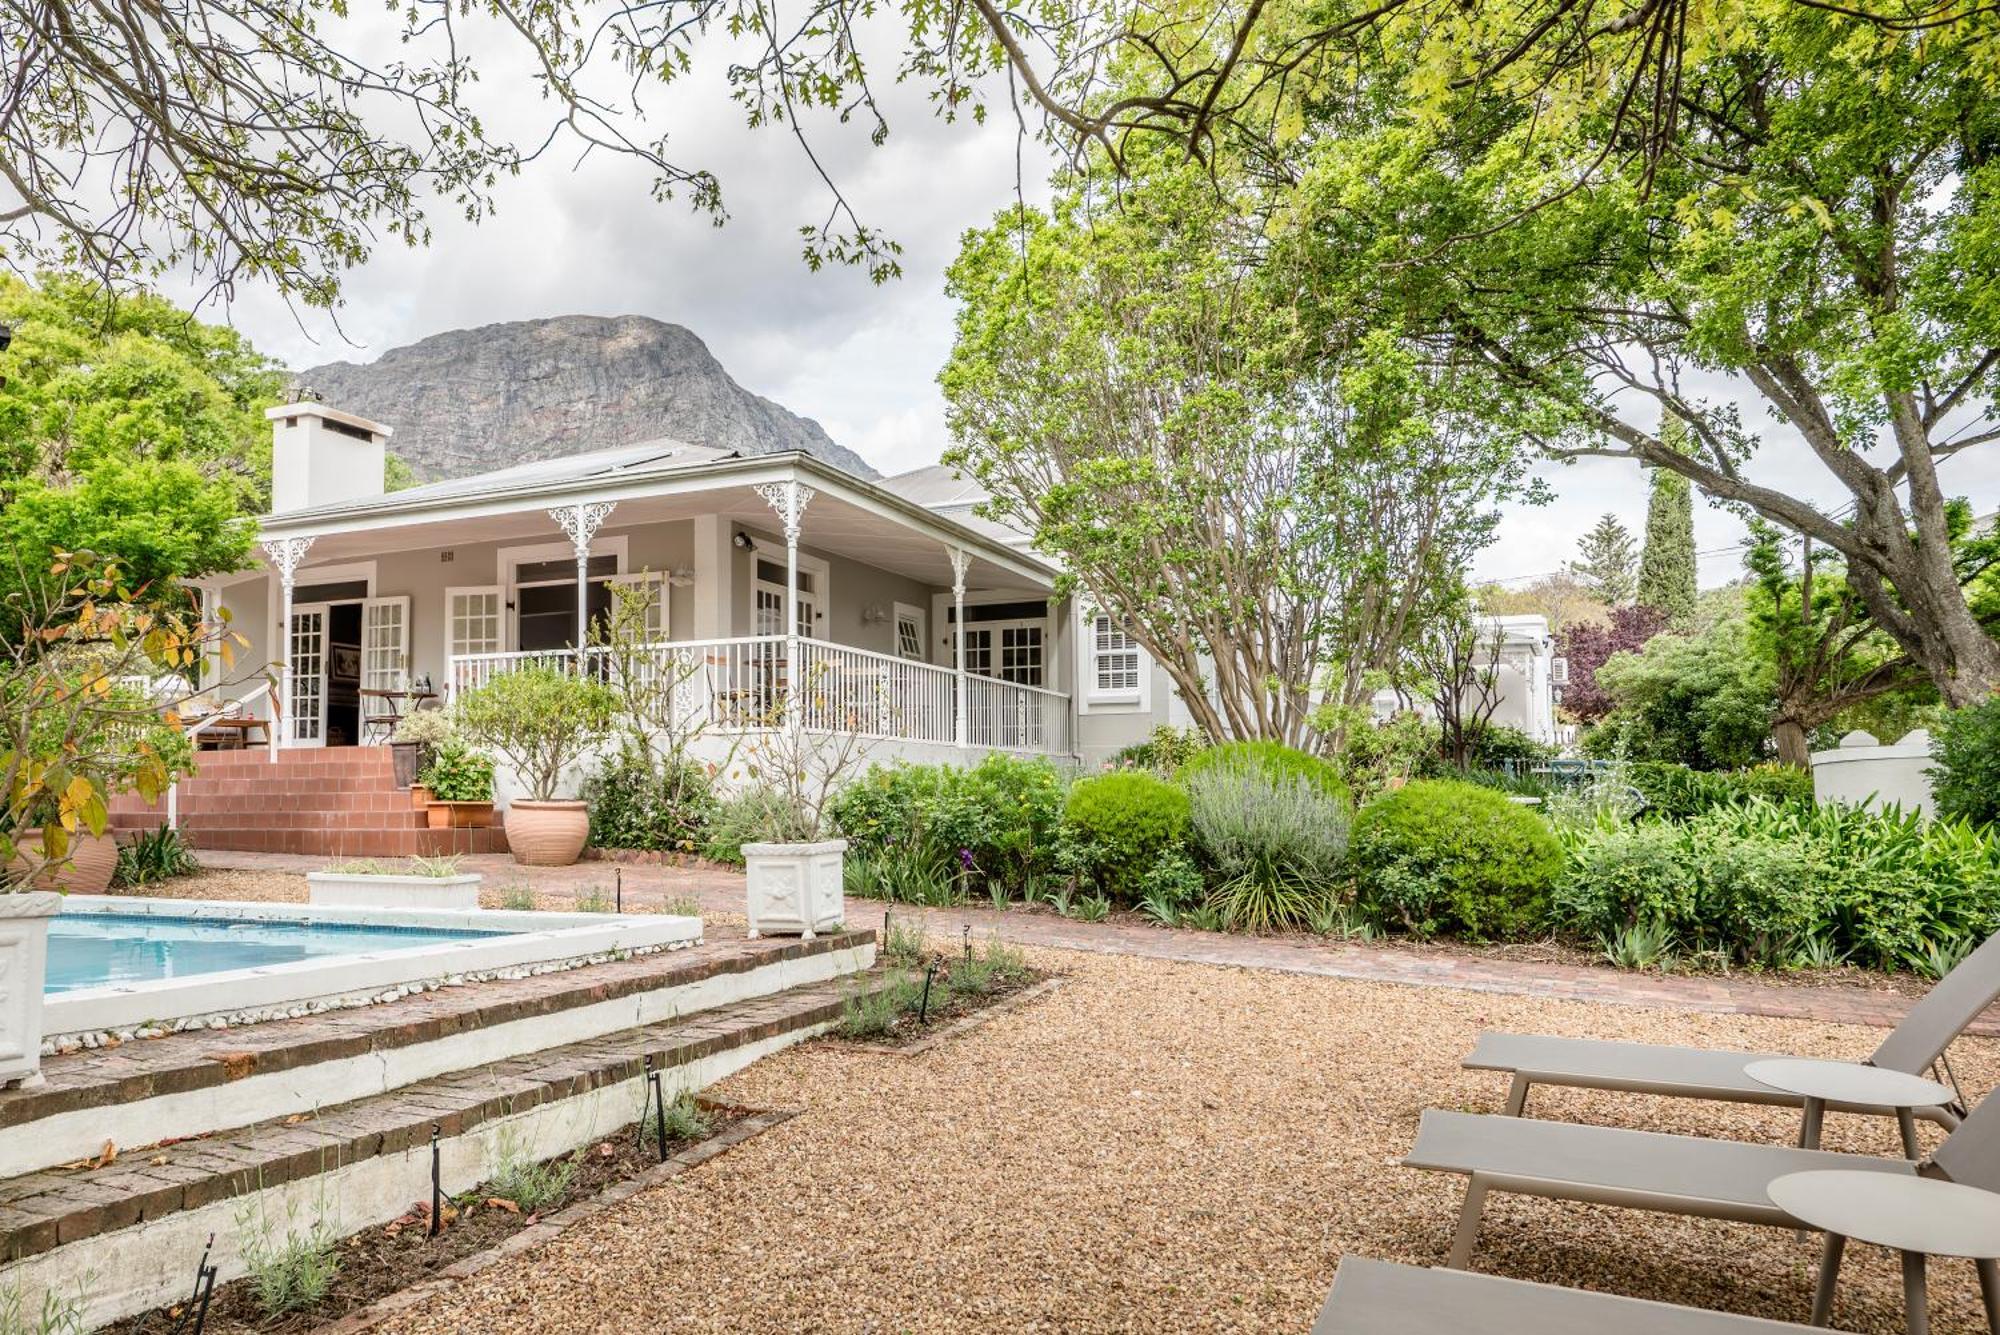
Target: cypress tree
[[1667, 566]]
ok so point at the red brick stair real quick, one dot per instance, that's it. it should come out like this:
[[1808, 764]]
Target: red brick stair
[[335, 802]]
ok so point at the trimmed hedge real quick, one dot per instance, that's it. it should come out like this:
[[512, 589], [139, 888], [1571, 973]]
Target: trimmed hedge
[[1117, 825], [1441, 855]]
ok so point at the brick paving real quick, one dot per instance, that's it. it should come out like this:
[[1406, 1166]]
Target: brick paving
[[720, 890], [42, 1210]]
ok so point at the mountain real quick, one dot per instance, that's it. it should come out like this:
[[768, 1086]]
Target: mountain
[[471, 400]]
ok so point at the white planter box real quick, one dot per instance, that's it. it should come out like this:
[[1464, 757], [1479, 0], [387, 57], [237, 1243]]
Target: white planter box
[[795, 887], [24, 965], [367, 891]]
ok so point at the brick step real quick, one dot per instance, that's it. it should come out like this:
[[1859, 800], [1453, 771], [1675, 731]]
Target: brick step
[[351, 841], [42, 1211]]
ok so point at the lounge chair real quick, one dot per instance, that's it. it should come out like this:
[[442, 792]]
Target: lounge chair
[[1648, 1170], [1378, 1298], [1914, 1046]]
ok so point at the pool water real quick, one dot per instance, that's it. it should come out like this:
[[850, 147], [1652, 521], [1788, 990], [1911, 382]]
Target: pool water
[[103, 949]]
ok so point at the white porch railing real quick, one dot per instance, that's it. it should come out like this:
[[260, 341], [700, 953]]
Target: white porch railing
[[740, 684]]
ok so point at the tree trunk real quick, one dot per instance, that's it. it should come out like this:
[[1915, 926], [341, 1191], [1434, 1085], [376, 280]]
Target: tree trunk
[[1793, 748]]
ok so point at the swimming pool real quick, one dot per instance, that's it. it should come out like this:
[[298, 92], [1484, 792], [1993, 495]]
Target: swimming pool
[[105, 949], [124, 966]]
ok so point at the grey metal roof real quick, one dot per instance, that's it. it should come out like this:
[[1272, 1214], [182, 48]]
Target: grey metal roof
[[663, 455]]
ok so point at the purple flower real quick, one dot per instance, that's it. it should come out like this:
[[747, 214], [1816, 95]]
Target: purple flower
[[965, 858]]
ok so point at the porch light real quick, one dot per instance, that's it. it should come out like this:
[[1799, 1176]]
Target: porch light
[[874, 614], [681, 577], [741, 541]]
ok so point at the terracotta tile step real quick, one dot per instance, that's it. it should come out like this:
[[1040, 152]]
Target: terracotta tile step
[[47, 1209], [352, 841]]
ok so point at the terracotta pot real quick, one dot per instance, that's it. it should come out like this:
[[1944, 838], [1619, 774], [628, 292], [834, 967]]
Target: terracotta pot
[[458, 815], [87, 869], [547, 834]]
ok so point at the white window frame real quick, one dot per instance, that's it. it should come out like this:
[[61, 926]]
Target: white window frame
[[1139, 697], [908, 612], [508, 560], [452, 593], [663, 597], [821, 598]]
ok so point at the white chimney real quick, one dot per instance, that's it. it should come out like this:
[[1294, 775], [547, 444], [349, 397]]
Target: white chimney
[[322, 456]]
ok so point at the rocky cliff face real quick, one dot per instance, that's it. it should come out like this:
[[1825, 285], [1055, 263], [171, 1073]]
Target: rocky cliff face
[[477, 399]]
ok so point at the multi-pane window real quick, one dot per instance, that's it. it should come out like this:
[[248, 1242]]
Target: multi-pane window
[[474, 616], [1021, 655], [909, 635], [1115, 658]]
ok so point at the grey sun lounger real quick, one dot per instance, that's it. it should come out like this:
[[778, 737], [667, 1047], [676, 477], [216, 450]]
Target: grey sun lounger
[[1380, 1298], [1914, 1046], [1647, 1170]]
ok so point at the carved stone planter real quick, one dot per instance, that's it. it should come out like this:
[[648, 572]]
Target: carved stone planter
[[368, 891], [24, 963], [795, 888]]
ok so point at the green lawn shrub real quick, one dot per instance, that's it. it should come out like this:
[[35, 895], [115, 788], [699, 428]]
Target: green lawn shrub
[[1445, 856], [1116, 826], [1965, 781], [1778, 884], [992, 825], [635, 805]]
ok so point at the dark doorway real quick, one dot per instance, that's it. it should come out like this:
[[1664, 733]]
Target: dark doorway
[[343, 674]]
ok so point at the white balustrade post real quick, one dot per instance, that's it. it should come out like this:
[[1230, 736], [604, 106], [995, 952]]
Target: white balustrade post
[[580, 523], [789, 499], [285, 554], [960, 563]]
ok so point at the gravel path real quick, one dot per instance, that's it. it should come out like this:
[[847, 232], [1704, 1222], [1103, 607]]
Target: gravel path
[[1160, 1146]]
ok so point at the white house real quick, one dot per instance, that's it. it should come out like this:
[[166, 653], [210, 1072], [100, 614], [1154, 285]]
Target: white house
[[933, 632]]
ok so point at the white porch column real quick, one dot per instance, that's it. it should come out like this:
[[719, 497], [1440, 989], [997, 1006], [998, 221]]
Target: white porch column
[[789, 499], [580, 523], [960, 563], [285, 554]]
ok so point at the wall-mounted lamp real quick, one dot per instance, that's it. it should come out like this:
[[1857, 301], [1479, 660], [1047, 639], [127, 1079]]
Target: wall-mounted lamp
[[741, 541], [681, 577], [874, 614]]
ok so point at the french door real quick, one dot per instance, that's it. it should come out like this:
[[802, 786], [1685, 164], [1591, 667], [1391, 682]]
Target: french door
[[305, 660]]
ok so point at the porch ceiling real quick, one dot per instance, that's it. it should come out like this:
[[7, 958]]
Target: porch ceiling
[[832, 524]]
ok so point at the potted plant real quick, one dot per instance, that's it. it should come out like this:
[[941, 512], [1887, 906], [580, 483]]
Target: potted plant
[[542, 721], [794, 870], [420, 883], [417, 739], [459, 781]]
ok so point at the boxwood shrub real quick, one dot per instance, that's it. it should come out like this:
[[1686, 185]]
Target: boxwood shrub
[[1117, 825], [1447, 856]]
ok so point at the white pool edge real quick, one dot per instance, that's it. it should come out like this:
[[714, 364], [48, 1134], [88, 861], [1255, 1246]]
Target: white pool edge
[[533, 943]]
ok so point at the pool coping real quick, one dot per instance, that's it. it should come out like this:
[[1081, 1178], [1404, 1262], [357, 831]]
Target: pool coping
[[528, 942]]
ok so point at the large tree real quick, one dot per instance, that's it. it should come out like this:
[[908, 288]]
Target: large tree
[[1606, 561], [1132, 390], [131, 431], [1616, 210], [1667, 574]]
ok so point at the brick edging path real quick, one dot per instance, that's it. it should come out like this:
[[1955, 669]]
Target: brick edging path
[[721, 890]]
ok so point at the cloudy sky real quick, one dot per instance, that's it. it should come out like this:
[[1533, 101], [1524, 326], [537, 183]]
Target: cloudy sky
[[586, 238]]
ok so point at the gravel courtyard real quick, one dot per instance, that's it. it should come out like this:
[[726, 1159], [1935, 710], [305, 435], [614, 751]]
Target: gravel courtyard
[[1160, 1146]]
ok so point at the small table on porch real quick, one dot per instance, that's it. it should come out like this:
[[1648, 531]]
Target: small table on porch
[[380, 727]]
